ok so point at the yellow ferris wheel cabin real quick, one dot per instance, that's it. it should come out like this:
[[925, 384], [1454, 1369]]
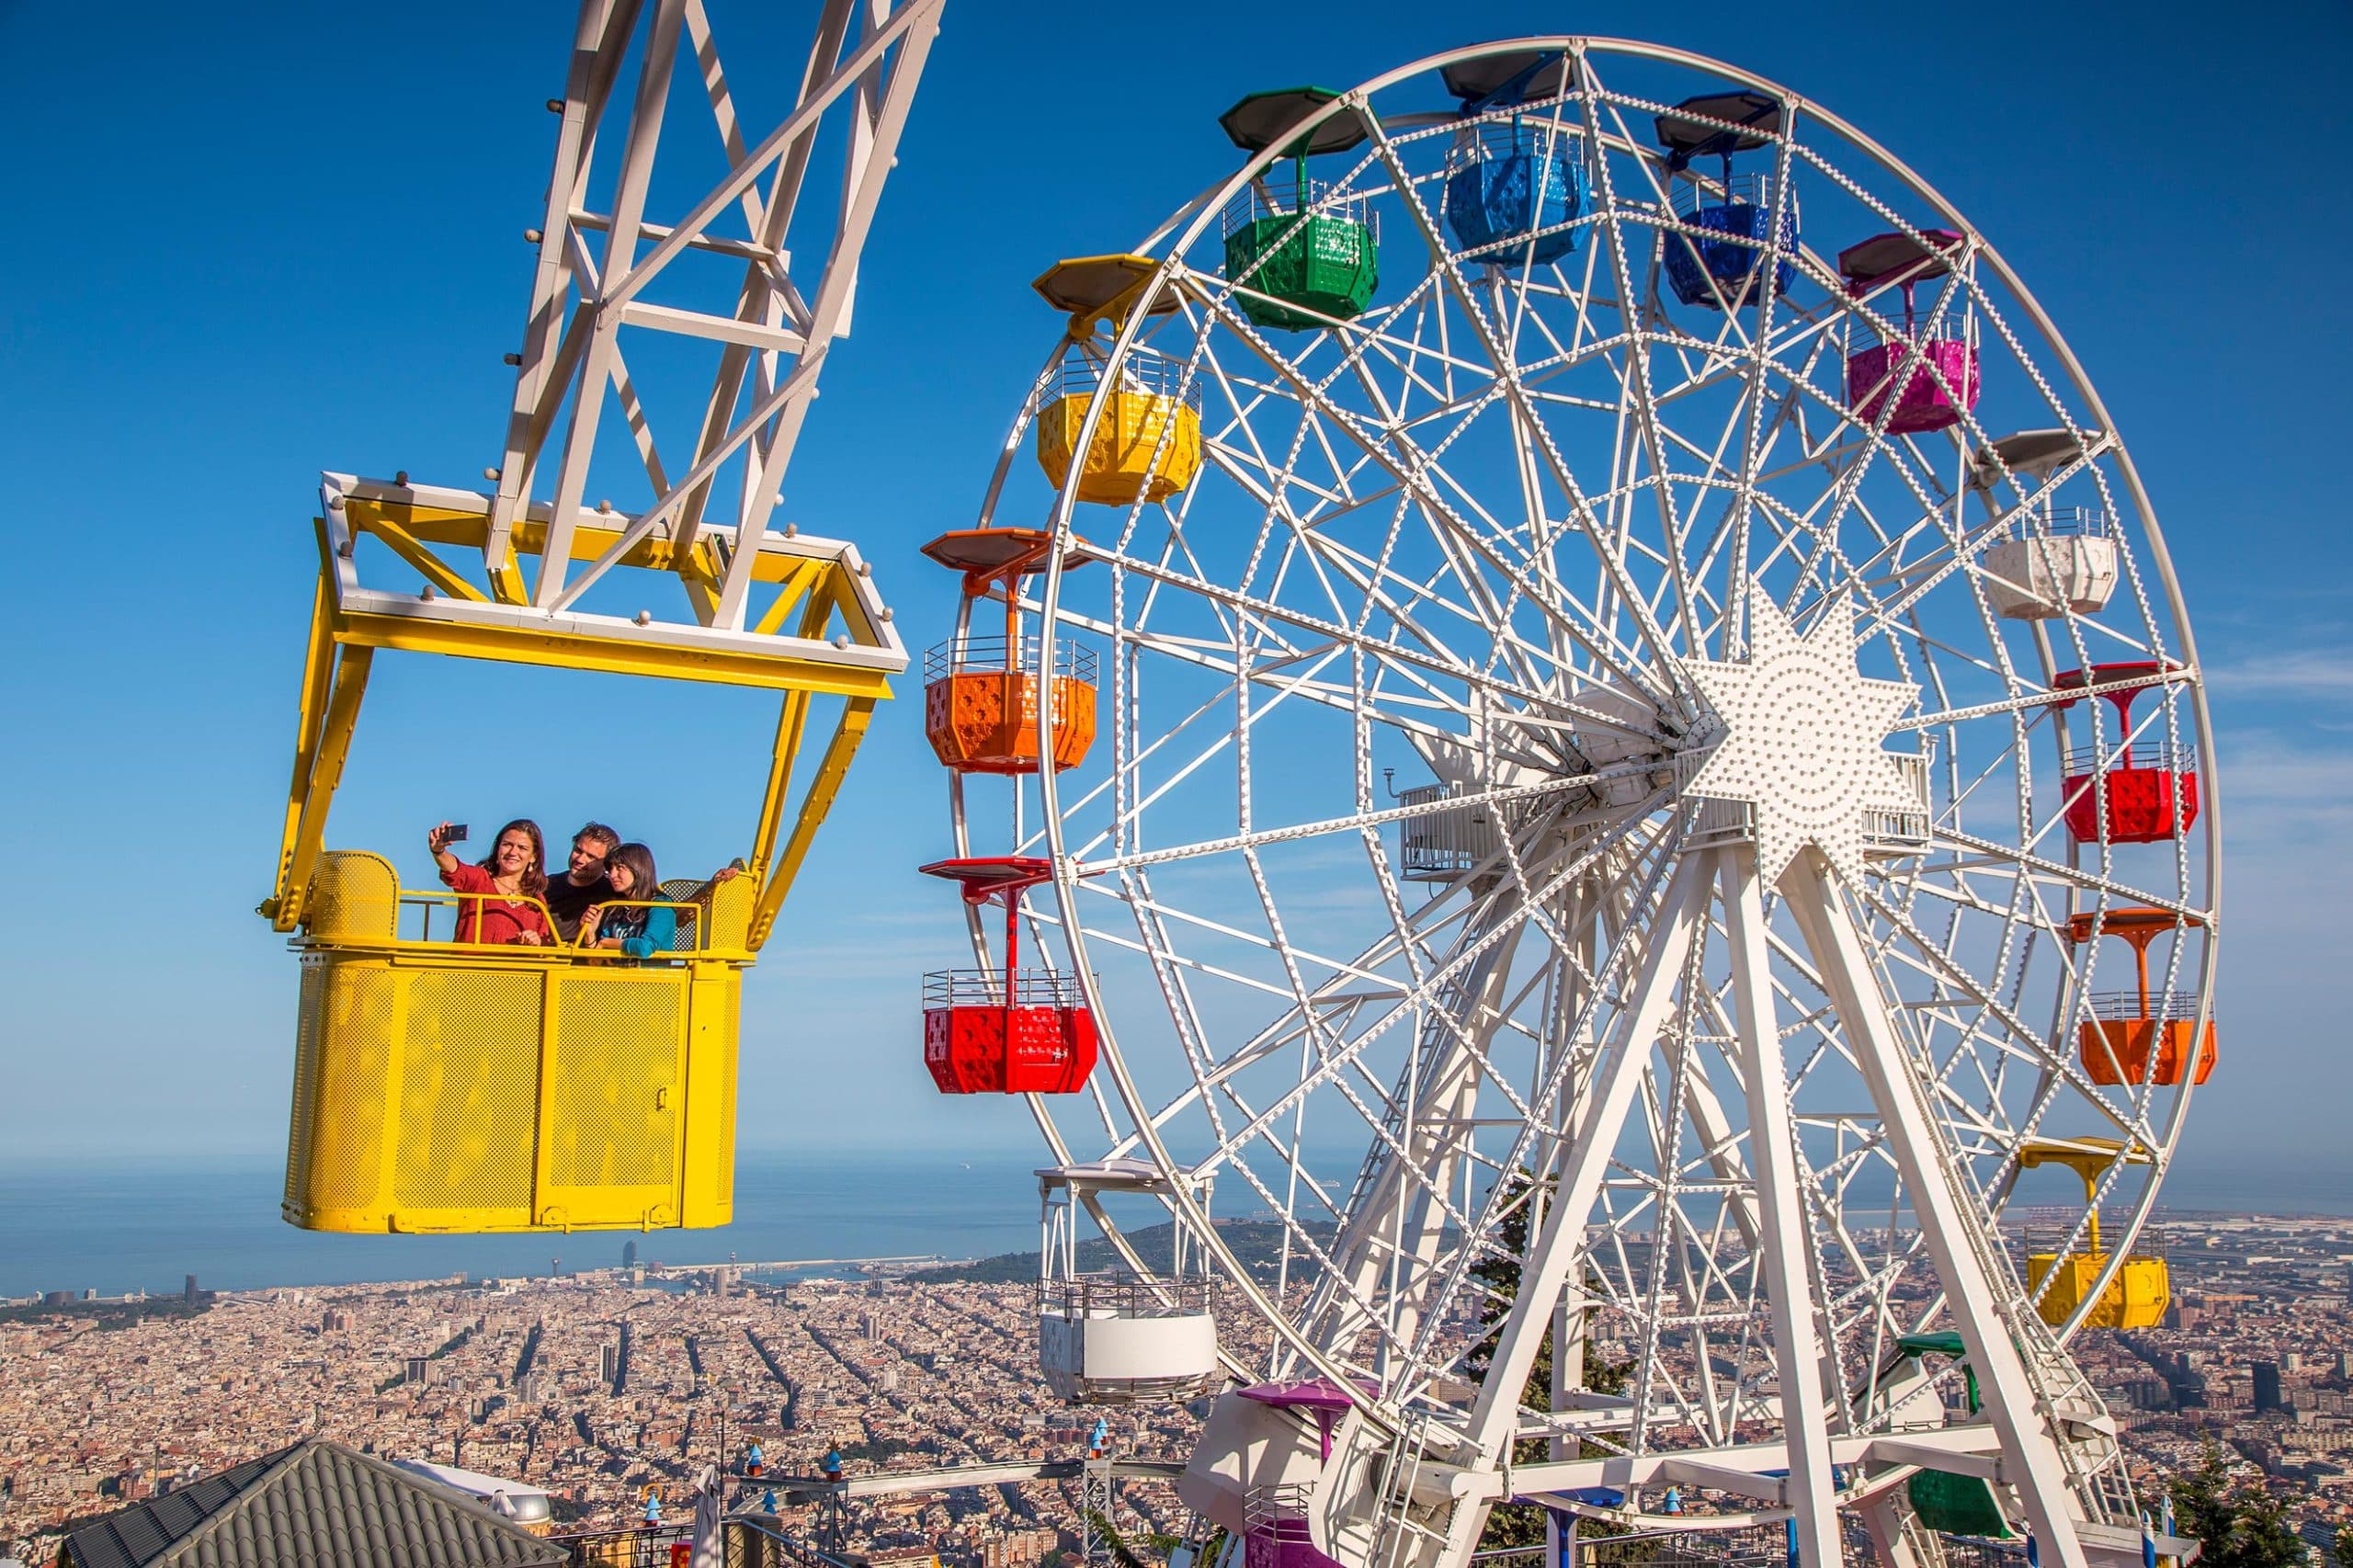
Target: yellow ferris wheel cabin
[[460, 1085]]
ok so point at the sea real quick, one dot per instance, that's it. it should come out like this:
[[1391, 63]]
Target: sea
[[147, 1225], [133, 1224]]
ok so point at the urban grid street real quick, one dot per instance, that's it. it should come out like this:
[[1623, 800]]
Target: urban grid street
[[598, 1384]]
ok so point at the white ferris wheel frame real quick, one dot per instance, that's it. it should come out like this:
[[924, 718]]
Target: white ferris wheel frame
[[2029, 1388]]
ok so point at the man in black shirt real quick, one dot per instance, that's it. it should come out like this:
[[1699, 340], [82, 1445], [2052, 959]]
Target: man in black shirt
[[584, 883]]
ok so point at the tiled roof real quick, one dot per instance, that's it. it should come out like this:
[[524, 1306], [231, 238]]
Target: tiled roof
[[317, 1505]]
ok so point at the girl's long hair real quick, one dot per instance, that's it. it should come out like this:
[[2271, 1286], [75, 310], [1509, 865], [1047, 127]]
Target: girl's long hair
[[535, 875], [644, 885]]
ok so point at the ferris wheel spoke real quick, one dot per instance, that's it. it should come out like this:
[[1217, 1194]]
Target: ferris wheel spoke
[[1506, 375], [1418, 474], [2062, 873], [1430, 655], [1429, 990]]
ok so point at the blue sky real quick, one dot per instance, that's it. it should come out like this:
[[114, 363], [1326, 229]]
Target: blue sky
[[249, 248]]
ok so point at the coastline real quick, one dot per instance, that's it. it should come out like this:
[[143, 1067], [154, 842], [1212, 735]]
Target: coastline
[[118, 1226]]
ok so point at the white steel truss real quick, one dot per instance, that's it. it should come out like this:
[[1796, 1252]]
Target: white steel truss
[[611, 274]]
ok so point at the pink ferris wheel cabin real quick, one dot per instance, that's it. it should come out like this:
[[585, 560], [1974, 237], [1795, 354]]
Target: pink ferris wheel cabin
[[2126, 793], [1921, 373]]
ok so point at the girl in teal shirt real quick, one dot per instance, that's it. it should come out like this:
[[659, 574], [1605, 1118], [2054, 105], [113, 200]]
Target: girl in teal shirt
[[637, 932]]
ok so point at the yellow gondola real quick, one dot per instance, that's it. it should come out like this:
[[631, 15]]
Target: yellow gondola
[[2137, 1296], [462, 1087]]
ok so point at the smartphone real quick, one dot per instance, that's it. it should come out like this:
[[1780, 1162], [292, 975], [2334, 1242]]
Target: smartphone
[[457, 835]]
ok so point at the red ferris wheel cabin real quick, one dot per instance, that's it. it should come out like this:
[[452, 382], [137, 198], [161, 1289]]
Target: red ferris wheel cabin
[[1004, 1031]]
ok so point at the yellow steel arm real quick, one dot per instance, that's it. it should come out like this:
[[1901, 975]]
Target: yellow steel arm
[[791, 724], [470, 530], [788, 595], [318, 668], [285, 909], [776, 880], [410, 549]]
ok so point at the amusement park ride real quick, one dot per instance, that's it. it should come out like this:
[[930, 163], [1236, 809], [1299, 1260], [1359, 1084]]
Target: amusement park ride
[[1727, 578]]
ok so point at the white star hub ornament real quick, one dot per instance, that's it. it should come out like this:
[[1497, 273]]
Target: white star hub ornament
[[1801, 733]]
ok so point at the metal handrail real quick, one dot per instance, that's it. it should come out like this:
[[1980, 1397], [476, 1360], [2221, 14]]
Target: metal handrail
[[1931, 326], [1277, 201], [688, 940], [975, 656], [1516, 138], [987, 988], [1123, 1296], [1447, 835], [2062, 522], [2141, 756], [689, 926], [1280, 1503], [2130, 1006], [428, 901], [1688, 199], [2049, 1235], [1142, 371]]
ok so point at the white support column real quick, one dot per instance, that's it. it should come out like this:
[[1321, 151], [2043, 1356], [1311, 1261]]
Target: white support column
[[1617, 1074], [597, 41], [1781, 1227], [1970, 1286], [874, 147]]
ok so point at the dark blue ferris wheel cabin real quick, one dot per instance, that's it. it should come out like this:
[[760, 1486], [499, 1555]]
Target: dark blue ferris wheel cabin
[[1513, 187], [1721, 273]]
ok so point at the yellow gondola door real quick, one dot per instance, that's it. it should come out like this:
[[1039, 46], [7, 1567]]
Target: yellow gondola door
[[612, 1084]]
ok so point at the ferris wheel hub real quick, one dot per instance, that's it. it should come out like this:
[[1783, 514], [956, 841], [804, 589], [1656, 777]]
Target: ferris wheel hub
[[1799, 731]]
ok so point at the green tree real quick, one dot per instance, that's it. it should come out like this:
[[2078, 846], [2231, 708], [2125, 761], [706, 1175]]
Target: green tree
[[1511, 1525], [2342, 1547], [2242, 1526]]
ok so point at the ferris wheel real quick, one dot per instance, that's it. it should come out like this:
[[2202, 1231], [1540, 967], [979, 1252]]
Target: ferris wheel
[[1591, 721]]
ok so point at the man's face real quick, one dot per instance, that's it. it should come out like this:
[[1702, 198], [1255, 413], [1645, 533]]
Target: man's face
[[587, 861]]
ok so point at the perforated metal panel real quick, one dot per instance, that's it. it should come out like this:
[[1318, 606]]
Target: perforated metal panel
[[719, 1162], [299, 1138], [468, 1088], [353, 896], [358, 1016], [436, 1091]]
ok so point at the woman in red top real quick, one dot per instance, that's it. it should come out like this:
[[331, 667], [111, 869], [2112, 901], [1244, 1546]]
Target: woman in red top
[[513, 877]]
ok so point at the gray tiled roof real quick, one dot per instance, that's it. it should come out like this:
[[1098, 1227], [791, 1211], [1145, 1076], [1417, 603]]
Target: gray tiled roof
[[317, 1505]]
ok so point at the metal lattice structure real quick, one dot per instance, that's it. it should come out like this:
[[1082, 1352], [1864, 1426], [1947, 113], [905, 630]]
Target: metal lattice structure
[[595, 288], [1691, 1012]]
